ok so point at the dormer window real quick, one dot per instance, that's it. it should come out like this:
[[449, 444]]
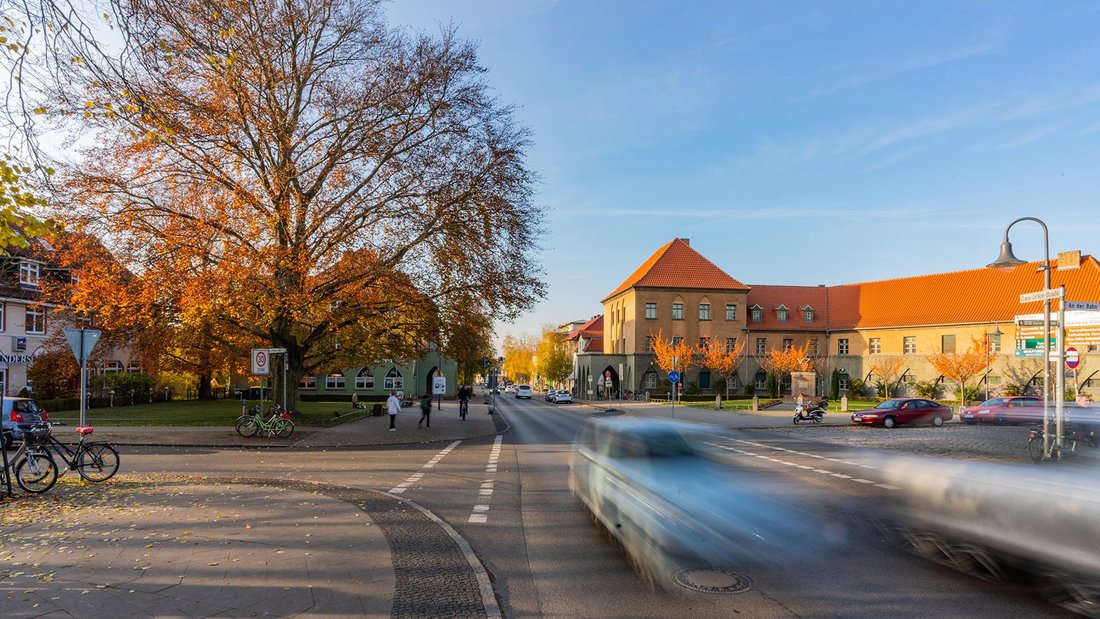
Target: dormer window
[[807, 314], [28, 273], [781, 313], [757, 313]]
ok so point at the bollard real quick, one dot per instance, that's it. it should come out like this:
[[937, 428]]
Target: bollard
[[755, 403], [717, 402], [844, 404]]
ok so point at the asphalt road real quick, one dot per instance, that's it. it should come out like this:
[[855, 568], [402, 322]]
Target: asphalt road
[[508, 497]]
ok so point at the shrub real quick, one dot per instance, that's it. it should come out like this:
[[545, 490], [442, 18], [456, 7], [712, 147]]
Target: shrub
[[857, 388], [54, 374], [927, 388]]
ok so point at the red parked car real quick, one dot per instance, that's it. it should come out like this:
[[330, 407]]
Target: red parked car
[[1001, 411], [904, 410]]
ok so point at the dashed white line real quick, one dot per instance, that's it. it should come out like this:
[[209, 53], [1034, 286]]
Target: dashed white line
[[480, 513], [415, 477], [804, 467]]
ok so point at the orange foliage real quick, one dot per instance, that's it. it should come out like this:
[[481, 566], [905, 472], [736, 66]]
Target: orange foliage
[[793, 359], [664, 351], [887, 370], [717, 359], [961, 367]]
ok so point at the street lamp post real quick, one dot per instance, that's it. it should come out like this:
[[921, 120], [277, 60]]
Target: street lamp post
[[1008, 259]]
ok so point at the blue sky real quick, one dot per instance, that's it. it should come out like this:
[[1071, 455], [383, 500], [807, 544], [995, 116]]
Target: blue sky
[[793, 142]]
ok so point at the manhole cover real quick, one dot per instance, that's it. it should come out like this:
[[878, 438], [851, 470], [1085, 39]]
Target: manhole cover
[[713, 580]]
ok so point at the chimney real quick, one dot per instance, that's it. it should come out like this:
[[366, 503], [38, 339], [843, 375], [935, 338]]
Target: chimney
[[1069, 260], [686, 242]]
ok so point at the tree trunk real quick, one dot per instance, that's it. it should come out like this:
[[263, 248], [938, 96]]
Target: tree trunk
[[205, 389]]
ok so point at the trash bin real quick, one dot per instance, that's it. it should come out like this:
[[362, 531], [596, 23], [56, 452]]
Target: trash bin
[[376, 410]]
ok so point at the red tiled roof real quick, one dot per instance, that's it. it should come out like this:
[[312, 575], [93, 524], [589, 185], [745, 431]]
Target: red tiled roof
[[592, 332], [677, 265], [961, 297], [794, 298]]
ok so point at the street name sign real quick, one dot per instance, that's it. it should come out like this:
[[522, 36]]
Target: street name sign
[[1085, 306], [1043, 295]]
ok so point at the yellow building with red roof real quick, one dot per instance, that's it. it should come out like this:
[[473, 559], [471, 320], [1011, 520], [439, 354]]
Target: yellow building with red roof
[[847, 329]]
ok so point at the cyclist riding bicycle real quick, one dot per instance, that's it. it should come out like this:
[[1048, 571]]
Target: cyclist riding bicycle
[[463, 401]]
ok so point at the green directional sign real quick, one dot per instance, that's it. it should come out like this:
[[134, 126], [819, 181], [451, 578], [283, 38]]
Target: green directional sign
[[1033, 343]]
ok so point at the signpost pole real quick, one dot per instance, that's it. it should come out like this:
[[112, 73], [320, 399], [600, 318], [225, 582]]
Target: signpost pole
[[1060, 393]]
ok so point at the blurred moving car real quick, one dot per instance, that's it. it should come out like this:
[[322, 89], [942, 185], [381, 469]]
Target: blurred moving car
[[563, 396], [18, 416], [1008, 410], [897, 411], [523, 391], [551, 394], [1003, 521], [660, 488]]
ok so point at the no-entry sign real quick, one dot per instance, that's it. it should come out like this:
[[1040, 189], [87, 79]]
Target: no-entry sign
[[1073, 358]]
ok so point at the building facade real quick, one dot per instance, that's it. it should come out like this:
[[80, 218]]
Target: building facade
[[849, 329]]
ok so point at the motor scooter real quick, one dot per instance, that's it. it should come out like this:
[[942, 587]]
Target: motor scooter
[[814, 414]]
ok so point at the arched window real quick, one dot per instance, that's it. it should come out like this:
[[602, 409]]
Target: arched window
[[109, 367], [335, 380], [393, 380], [364, 379], [649, 380], [307, 382]]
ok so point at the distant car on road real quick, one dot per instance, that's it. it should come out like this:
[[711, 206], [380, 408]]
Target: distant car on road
[[1001, 411], [904, 410], [551, 394], [563, 396], [523, 391]]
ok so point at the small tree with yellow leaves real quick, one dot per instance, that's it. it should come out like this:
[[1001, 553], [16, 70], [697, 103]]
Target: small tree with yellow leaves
[[961, 367]]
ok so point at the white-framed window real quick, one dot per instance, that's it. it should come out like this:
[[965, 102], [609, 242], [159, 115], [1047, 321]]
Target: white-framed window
[[36, 320], [788, 344], [28, 272], [676, 339], [134, 367], [993, 343], [844, 382], [111, 367], [704, 311], [947, 344], [807, 314], [731, 312], [761, 380], [811, 347], [731, 343], [842, 346], [335, 380], [761, 345], [308, 382], [649, 380], [677, 311], [781, 314], [364, 379], [756, 313], [393, 380], [704, 343], [909, 344], [649, 343], [875, 345], [651, 311]]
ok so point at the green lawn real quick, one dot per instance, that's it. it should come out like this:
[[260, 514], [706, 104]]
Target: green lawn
[[746, 405], [202, 413]]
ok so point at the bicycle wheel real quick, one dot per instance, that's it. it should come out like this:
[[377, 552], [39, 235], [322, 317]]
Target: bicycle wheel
[[98, 462], [247, 426], [36, 472], [1035, 448], [284, 428]]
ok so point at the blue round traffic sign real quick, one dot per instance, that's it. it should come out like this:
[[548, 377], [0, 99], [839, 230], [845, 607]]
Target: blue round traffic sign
[[673, 376]]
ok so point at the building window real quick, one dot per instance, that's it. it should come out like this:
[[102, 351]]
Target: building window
[[704, 380], [651, 311], [364, 379], [875, 345], [334, 380], [807, 314], [781, 314], [731, 343], [28, 273], [761, 380], [649, 380], [649, 343], [307, 382], [947, 344], [842, 346], [909, 344], [676, 339], [111, 367], [677, 311], [731, 312], [811, 347], [757, 313], [788, 344], [844, 381], [134, 368], [704, 343], [704, 311], [393, 380], [36, 320], [761, 345], [993, 343]]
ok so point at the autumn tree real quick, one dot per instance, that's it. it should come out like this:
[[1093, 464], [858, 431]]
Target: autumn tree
[[555, 361], [519, 353], [888, 371], [293, 174], [961, 367], [722, 361], [672, 355], [788, 359]]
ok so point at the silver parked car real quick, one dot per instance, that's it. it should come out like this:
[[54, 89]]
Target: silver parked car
[[563, 396], [661, 489]]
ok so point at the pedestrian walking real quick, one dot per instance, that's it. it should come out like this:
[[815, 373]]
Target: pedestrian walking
[[393, 406], [425, 410], [463, 401]]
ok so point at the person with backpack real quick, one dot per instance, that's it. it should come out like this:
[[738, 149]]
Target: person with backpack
[[425, 410]]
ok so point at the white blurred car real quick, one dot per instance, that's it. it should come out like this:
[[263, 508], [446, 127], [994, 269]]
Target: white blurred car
[[563, 396], [523, 391]]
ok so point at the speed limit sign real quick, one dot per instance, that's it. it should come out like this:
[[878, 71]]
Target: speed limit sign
[[260, 362]]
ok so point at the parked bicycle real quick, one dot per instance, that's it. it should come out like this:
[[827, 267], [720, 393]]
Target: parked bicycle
[[95, 461], [35, 471], [1072, 438], [279, 424]]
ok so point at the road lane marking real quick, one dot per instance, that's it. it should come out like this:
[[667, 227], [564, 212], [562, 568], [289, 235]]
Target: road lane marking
[[480, 512], [415, 477], [804, 467]]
